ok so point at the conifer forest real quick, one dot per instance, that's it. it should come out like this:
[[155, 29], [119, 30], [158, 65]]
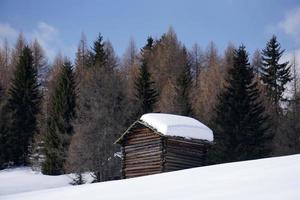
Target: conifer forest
[[64, 115]]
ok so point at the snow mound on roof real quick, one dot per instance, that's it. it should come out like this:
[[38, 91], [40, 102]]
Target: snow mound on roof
[[176, 125]]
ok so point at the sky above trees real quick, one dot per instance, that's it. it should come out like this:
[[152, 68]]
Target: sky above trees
[[58, 24]]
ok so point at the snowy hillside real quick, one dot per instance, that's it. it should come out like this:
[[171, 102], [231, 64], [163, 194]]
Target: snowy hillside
[[273, 178], [24, 180]]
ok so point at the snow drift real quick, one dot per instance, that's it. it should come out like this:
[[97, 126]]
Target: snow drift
[[272, 178]]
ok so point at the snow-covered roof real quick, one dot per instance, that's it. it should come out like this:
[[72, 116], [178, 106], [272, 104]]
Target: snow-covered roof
[[176, 125]]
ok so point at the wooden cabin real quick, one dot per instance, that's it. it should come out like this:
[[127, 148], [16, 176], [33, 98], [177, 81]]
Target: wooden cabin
[[159, 143]]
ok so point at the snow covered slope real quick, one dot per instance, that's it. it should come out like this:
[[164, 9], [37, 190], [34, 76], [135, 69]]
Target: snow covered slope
[[272, 178], [23, 179]]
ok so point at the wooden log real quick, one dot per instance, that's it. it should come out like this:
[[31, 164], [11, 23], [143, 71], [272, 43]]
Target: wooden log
[[184, 160], [146, 143], [189, 141], [142, 167], [140, 149], [132, 149], [137, 174], [140, 171], [144, 139], [179, 166], [144, 151], [183, 156], [145, 164], [184, 163], [185, 152], [142, 160], [140, 142]]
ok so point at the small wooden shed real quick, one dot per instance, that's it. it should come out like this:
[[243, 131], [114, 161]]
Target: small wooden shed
[[160, 142]]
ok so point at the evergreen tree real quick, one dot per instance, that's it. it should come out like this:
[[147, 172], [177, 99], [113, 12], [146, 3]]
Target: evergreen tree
[[23, 105], [274, 74], [240, 125], [98, 54], [59, 122], [146, 95], [184, 83], [3, 131]]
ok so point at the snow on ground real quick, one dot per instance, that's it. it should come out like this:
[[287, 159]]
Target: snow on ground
[[264, 179], [23, 179], [176, 125]]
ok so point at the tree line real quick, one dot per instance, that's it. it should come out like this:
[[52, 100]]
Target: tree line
[[64, 117]]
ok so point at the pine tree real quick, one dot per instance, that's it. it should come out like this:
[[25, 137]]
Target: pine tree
[[3, 131], [240, 125], [59, 122], [184, 83], [23, 104], [98, 54], [274, 74], [146, 95]]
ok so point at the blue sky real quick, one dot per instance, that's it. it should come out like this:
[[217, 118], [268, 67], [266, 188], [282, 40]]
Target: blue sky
[[58, 23]]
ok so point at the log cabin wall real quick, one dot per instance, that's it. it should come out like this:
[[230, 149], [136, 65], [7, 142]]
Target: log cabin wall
[[142, 152], [183, 153]]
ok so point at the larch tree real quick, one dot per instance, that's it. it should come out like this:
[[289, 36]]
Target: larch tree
[[196, 58], [296, 106], [240, 123], [211, 82], [82, 55], [100, 119], [59, 121], [24, 104], [112, 58], [5, 65], [257, 63], [167, 60], [40, 61], [17, 50]]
